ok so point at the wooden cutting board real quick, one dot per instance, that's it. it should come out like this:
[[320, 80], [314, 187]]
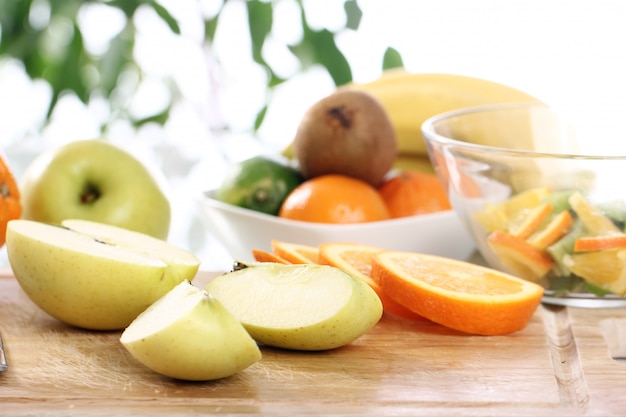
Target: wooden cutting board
[[559, 364]]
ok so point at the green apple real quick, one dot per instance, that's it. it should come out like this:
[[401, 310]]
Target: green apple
[[300, 307], [189, 335], [95, 180], [92, 275]]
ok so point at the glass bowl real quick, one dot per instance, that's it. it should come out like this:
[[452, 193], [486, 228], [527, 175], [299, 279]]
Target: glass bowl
[[528, 181]]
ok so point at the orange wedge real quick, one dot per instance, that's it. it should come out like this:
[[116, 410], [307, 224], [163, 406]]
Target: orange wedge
[[595, 222], [356, 260], [520, 257], [529, 220], [558, 227], [295, 253], [595, 243], [456, 294], [264, 256]]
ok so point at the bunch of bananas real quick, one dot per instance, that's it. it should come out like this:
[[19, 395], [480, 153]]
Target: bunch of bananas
[[411, 98]]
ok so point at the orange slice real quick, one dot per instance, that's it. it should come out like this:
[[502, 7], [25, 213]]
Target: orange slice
[[529, 220], [520, 257], [295, 253], [456, 294], [264, 256], [595, 243], [356, 260], [558, 227]]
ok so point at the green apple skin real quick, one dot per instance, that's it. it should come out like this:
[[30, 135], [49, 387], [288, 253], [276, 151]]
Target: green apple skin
[[95, 180], [96, 277], [189, 335], [298, 307]]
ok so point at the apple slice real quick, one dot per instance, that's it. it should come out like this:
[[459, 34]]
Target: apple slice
[[299, 306], [189, 335], [92, 275]]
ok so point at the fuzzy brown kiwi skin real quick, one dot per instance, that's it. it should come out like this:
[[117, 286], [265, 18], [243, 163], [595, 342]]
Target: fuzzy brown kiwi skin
[[349, 133]]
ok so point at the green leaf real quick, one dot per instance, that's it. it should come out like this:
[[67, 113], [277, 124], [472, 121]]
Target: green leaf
[[324, 51], [260, 24], [258, 121], [166, 16], [115, 59], [392, 59], [353, 14], [127, 6], [159, 118]]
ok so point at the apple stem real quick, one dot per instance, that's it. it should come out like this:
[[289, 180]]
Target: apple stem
[[90, 194]]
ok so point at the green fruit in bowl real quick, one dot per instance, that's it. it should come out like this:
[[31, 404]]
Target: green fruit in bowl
[[95, 180], [259, 183]]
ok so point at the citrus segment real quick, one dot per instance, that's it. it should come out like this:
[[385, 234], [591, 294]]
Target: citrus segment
[[295, 253], [595, 222], [456, 294], [606, 269], [264, 256], [595, 243], [497, 216], [529, 220], [356, 260], [334, 199], [520, 257], [558, 227]]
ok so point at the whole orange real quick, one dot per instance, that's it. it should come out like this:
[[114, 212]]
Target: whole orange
[[334, 198], [10, 206], [412, 192]]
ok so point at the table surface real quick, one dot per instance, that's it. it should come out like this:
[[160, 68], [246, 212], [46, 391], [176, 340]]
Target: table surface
[[561, 364]]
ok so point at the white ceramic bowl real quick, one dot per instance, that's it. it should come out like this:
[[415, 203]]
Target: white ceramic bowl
[[241, 230]]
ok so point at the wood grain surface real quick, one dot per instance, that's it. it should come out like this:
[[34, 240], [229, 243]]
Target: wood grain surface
[[560, 365]]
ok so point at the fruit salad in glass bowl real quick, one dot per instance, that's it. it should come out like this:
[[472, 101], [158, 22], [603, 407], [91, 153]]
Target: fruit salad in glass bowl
[[540, 197]]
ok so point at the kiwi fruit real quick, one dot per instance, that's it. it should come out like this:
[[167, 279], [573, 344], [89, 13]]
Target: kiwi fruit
[[348, 133]]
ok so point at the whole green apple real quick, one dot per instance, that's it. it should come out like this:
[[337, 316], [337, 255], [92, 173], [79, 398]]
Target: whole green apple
[[95, 180]]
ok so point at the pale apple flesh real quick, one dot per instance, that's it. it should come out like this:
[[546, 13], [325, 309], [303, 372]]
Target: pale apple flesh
[[97, 276], [95, 180], [189, 335], [300, 307]]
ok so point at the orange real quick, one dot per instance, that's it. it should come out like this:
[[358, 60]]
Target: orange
[[558, 227], [412, 192], [264, 256], [466, 297], [10, 205], [295, 253], [356, 260], [520, 257], [334, 199], [595, 243]]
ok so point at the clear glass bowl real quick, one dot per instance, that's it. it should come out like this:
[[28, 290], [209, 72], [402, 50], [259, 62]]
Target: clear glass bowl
[[487, 155]]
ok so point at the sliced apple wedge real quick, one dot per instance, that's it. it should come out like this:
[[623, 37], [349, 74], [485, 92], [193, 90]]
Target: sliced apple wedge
[[189, 335], [300, 306], [92, 275]]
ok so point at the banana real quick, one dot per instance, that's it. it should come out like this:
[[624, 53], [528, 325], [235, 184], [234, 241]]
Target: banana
[[411, 98]]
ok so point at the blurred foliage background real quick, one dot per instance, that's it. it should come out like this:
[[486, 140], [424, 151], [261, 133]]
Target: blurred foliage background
[[49, 38]]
